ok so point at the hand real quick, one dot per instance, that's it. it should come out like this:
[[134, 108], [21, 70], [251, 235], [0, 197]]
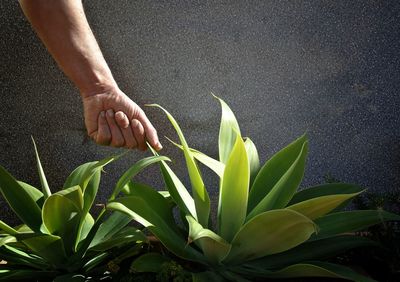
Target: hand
[[112, 118]]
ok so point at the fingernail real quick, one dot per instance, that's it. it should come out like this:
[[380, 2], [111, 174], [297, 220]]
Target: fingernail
[[110, 113], [103, 114], [159, 146]]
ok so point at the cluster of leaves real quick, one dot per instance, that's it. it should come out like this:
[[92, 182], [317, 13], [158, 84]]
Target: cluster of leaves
[[265, 228], [59, 239]]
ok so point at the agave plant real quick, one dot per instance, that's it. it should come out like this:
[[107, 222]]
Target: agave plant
[[265, 227], [59, 238]]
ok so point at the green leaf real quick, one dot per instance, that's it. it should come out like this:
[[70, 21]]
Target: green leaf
[[7, 228], [274, 170], [234, 192], [134, 170], [18, 257], [214, 247], [33, 192], [320, 206], [49, 247], [42, 176], [70, 277], [269, 233], [158, 220], [324, 190], [313, 250], [87, 225], [6, 240], [287, 181], [20, 200], [61, 217], [112, 225], [350, 221], [228, 131], [176, 189], [211, 163], [308, 269], [254, 160], [200, 195], [128, 235], [150, 262]]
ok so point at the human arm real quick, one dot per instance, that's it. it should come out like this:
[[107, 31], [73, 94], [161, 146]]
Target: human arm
[[64, 30]]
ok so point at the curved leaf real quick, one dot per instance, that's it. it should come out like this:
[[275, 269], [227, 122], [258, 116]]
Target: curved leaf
[[200, 195], [270, 232], [274, 170], [134, 170], [283, 190], [128, 235], [157, 220], [49, 247], [234, 191], [22, 202], [312, 250], [33, 192], [214, 247], [61, 217], [211, 163], [254, 160], [42, 176], [324, 190], [228, 131], [177, 190], [320, 206], [307, 269], [350, 221]]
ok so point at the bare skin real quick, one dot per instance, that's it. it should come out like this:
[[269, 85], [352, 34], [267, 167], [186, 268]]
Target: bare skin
[[111, 117]]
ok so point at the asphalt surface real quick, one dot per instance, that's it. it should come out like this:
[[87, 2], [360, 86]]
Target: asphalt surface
[[328, 68]]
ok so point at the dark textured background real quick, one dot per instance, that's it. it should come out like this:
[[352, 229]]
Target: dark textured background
[[330, 68]]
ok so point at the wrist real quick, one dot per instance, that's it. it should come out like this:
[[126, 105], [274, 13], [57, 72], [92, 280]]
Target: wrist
[[103, 87]]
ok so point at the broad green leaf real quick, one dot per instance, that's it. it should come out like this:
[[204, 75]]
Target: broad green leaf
[[49, 247], [92, 263], [20, 200], [274, 170], [254, 160], [228, 131], [61, 217], [320, 206], [211, 163], [350, 221], [157, 220], [134, 170], [313, 250], [74, 194], [270, 232], [112, 225], [324, 190], [33, 192], [214, 247], [282, 192], [42, 176], [87, 225], [128, 235], [308, 269], [234, 192], [150, 262], [200, 195], [176, 189]]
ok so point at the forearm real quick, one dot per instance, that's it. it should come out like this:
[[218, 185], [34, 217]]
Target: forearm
[[63, 28]]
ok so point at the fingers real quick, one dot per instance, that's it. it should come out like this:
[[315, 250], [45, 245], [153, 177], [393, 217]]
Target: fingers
[[117, 139], [123, 122], [103, 134], [150, 131], [138, 131]]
